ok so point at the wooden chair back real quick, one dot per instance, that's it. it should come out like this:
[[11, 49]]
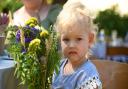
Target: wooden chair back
[[114, 75], [111, 51]]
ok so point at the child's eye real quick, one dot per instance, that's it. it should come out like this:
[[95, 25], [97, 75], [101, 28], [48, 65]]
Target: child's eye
[[66, 39], [79, 39]]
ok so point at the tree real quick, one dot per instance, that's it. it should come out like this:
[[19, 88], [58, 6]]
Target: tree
[[110, 20]]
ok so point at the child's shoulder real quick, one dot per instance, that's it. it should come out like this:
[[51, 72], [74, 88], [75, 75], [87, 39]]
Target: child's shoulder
[[90, 77], [89, 68]]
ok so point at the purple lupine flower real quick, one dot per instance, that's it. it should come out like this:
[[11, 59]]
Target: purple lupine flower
[[27, 40], [29, 33], [34, 31], [27, 27], [18, 35]]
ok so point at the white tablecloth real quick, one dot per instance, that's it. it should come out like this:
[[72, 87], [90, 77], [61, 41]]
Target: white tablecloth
[[7, 79]]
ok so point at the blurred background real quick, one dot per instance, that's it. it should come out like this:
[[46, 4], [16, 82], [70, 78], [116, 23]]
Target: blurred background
[[111, 21]]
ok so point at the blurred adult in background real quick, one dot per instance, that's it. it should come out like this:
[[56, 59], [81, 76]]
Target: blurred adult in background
[[45, 12]]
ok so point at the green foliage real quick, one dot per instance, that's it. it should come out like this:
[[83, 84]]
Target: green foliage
[[110, 19], [9, 5]]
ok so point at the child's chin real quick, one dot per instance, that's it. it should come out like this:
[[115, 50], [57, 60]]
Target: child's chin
[[73, 58]]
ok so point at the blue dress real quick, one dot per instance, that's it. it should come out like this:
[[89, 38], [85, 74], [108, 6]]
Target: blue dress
[[85, 77]]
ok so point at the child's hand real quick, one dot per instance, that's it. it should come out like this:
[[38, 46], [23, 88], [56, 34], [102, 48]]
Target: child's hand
[[4, 20]]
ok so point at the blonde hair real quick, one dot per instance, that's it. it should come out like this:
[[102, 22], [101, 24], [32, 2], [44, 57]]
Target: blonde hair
[[74, 14]]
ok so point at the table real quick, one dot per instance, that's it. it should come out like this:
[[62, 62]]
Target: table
[[7, 68], [7, 78], [6, 74]]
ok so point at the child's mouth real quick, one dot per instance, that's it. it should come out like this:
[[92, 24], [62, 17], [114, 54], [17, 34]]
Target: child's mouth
[[72, 53]]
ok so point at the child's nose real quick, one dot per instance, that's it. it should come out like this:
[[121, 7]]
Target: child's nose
[[72, 44]]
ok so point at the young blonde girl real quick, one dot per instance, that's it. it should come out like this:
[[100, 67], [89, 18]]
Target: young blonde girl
[[77, 35]]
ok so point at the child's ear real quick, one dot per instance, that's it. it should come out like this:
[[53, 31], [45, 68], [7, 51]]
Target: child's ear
[[91, 39]]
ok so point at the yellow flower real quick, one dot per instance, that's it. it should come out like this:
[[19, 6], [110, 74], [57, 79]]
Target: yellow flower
[[32, 25], [32, 21], [34, 44], [44, 33]]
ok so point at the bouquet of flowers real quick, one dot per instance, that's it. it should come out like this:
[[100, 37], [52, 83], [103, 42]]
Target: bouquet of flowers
[[34, 50]]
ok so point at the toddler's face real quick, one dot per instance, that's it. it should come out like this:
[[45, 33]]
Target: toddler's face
[[74, 43]]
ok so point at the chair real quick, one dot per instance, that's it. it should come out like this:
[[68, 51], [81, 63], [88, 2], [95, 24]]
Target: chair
[[110, 51], [114, 75], [117, 53]]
